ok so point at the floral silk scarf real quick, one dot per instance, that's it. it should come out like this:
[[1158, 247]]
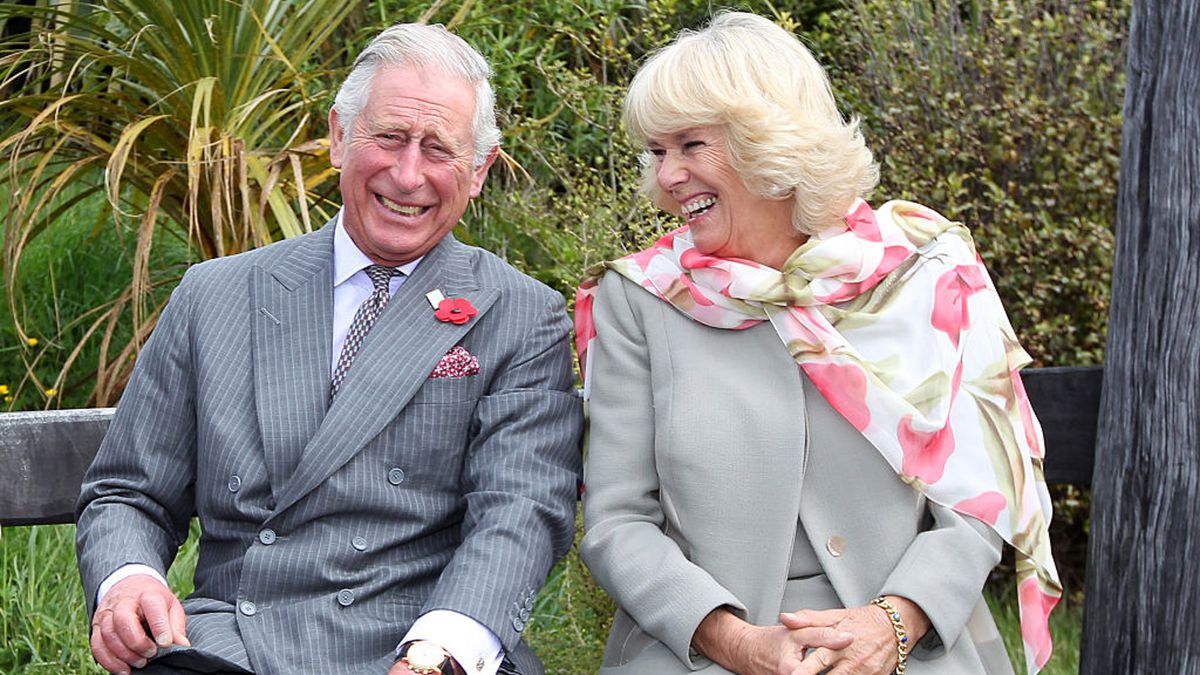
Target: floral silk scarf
[[895, 320]]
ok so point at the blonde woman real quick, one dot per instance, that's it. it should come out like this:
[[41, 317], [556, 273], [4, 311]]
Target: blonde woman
[[809, 441]]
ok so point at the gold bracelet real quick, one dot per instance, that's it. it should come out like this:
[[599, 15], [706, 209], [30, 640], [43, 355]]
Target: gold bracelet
[[893, 615]]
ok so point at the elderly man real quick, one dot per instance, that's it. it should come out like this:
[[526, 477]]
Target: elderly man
[[375, 423]]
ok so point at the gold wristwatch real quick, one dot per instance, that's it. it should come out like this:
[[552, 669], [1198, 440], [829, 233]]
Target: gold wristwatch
[[426, 658]]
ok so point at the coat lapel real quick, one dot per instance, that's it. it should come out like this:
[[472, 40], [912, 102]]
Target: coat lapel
[[293, 301], [394, 361]]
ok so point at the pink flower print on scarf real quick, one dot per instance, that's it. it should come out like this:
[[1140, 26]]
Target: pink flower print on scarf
[[845, 387], [953, 289], [1027, 420], [861, 221], [925, 452], [1035, 622], [986, 507]]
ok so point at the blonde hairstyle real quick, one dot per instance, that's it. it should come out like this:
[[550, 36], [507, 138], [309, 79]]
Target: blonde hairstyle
[[767, 92]]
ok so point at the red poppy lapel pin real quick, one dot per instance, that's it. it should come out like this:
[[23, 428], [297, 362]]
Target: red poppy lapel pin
[[450, 310]]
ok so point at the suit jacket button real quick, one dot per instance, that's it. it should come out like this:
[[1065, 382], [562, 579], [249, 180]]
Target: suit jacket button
[[345, 597], [518, 624], [396, 476], [359, 543], [235, 483], [836, 545], [267, 536], [247, 608]]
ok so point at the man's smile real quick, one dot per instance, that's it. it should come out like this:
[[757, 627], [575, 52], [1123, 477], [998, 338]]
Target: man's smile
[[401, 209]]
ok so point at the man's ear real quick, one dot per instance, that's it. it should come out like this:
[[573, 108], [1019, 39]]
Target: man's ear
[[336, 144], [482, 171]]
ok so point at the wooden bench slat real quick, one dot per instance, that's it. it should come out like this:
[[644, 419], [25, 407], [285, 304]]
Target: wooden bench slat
[[43, 456], [1067, 402]]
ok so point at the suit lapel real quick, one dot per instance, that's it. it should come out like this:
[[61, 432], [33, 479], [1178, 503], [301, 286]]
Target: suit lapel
[[293, 300], [394, 361]]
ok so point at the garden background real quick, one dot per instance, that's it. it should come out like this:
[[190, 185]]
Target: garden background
[[141, 136]]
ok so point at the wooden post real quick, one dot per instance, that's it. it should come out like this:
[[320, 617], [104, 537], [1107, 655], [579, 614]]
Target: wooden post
[[1143, 599]]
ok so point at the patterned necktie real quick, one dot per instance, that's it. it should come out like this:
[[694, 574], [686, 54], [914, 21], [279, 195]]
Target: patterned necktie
[[364, 318]]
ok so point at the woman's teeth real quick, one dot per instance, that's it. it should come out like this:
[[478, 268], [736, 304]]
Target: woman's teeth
[[699, 206]]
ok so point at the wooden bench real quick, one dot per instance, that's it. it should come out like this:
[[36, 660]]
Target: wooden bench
[[43, 455]]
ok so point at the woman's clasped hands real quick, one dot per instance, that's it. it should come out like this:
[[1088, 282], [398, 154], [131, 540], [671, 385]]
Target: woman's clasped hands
[[859, 640], [873, 646]]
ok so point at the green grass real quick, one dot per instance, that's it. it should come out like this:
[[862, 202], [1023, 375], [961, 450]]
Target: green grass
[[43, 624], [1065, 627], [79, 263]]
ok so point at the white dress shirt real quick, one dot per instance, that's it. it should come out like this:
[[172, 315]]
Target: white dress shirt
[[475, 647]]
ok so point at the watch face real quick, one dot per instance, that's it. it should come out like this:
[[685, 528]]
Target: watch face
[[425, 655]]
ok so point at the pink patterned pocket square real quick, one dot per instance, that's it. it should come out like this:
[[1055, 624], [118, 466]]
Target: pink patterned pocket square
[[457, 362]]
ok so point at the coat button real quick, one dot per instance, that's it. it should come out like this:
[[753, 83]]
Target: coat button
[[518, 624], [235, 483], [345, 597], [359, 543], [247, 608], [836, 545], [266, 536], [396, 476]]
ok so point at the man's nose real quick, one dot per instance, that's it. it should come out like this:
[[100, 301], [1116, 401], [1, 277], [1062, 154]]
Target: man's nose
[[408, 170]]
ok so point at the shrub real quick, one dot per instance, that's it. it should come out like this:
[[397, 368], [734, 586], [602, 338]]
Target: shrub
[[1005, 115]]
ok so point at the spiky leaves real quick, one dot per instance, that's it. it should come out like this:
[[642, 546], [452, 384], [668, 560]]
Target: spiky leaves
[[202, 122]]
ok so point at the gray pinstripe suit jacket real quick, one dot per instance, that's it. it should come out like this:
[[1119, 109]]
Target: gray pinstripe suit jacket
[[327, 529]]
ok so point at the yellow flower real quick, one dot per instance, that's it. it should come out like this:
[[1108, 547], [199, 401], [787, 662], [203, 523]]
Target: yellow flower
[[51, 391], [8, 399], [32, 342], [3, 389]]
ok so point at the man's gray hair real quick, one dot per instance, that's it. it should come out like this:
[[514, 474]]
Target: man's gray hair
[[423, 45]]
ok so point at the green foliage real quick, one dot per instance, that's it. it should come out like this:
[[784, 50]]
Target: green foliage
[[571, 617], [195, 120], [1005, 115]]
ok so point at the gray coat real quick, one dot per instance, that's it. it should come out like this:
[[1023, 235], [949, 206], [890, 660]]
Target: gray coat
[[327, 529], [706, 448]]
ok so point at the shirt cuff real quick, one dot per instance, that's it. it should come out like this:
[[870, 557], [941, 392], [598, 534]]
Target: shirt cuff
[[123, 572], [476, 648]]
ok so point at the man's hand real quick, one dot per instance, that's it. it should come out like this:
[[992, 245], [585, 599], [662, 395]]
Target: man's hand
[[400, 669], [135, 609]]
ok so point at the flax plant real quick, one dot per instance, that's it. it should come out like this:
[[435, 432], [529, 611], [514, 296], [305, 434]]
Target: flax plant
[[201, 123]]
